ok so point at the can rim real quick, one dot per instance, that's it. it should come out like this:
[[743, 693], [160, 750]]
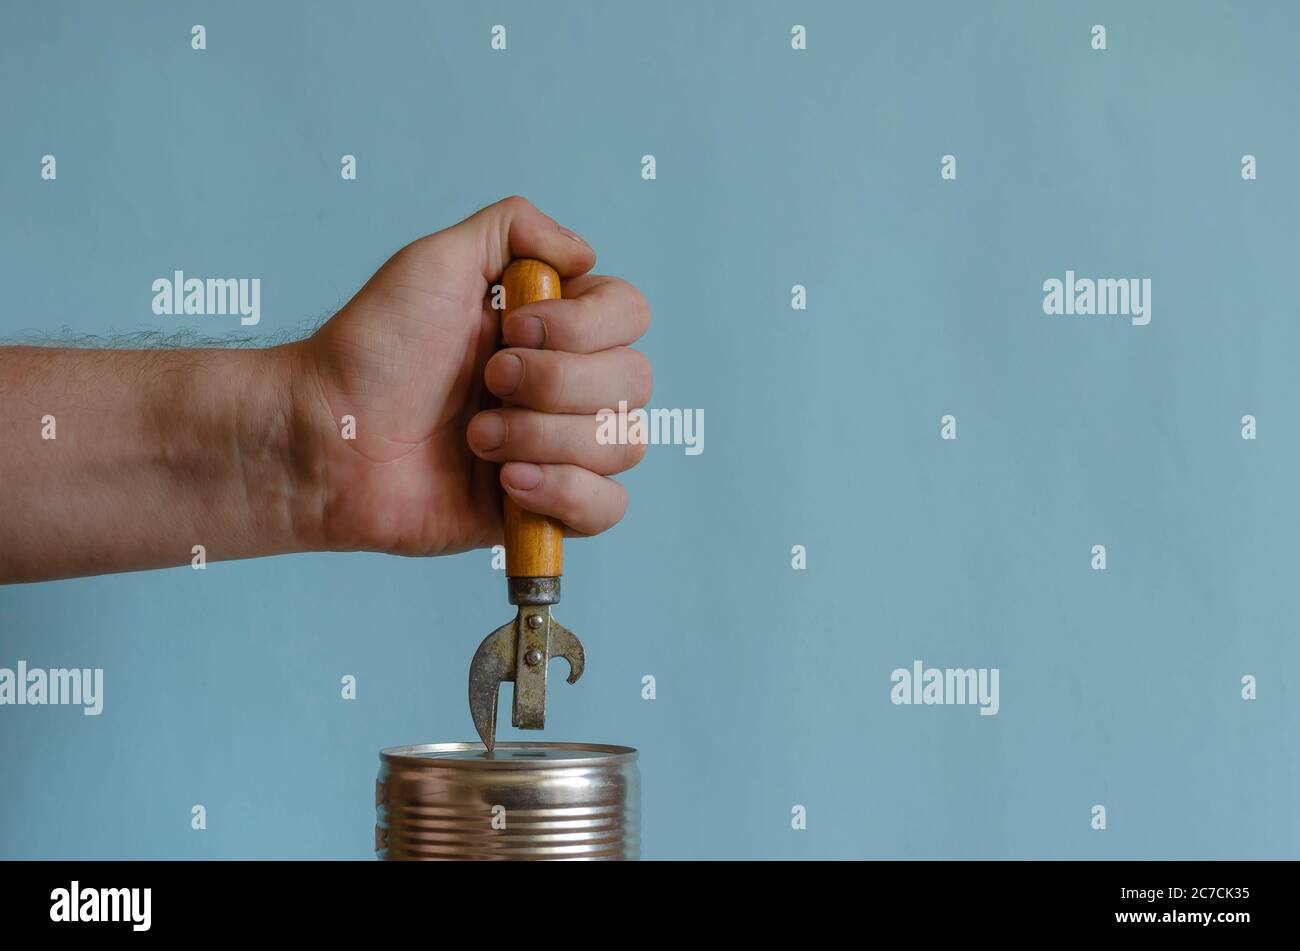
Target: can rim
[[408, 755]]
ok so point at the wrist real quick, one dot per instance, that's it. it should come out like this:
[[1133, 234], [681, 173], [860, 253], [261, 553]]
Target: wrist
[[249, 432], [290, 443]]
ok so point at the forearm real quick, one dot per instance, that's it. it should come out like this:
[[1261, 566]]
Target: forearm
[[116, 460]]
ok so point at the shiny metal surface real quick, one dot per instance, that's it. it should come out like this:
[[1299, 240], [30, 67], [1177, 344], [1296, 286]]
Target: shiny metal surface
[[504, 656], [523, 801]]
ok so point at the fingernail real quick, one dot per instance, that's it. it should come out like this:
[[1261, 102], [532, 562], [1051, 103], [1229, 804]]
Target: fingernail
[[569, 234], [523, 476], [488, 431], [526, 331], [504, 374]]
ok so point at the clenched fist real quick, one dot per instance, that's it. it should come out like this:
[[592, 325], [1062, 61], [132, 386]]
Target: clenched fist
[[415, 359]]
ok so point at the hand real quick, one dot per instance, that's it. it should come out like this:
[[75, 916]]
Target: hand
[[409, 357]]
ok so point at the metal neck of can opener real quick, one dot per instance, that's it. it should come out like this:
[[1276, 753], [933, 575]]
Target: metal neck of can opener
[[521, 650]]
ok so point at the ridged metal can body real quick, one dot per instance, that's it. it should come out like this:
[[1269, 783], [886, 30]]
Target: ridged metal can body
[[525, 801]]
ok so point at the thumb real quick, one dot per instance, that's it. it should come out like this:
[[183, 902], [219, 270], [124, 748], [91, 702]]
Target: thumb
[[512, 228]]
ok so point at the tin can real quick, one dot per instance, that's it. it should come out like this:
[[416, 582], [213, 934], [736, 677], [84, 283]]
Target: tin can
[[523, 801]]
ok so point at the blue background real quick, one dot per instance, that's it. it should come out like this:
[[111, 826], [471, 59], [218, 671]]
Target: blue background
[[775, 167]]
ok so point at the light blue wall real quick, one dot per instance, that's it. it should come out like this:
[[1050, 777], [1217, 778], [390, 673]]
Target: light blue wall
[[775, 167]]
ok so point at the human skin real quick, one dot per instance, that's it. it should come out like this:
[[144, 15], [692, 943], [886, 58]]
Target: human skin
[[242, 451]]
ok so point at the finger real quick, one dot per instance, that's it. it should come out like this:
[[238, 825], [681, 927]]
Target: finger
[[596, 313], [556, 382], [585, 502], [513, 228], [502, 435]]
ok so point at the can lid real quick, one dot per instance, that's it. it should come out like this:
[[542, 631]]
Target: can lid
[[507, 755]]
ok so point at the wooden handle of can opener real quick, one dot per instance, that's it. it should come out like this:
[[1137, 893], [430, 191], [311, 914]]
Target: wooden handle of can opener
[[534, 543]]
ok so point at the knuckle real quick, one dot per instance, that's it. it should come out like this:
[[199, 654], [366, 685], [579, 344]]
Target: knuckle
[[641, 309], [551, 381], [618, 508], [632, 301], [641, 377], [539, 434], [618, 288], [572, 504], [587, 333]]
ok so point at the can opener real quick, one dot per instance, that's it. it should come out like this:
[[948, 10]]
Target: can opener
[[520, 650]]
